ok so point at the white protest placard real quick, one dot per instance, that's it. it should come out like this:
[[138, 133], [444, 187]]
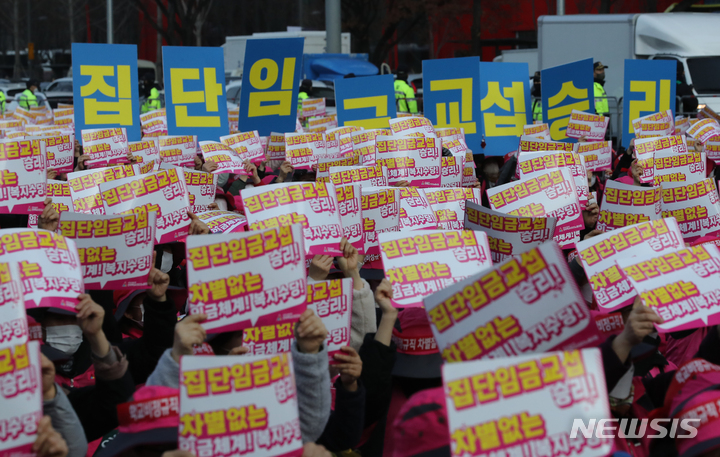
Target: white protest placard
[[682, 124], [22, 399], [13, 320], [646, 148], [536, 132], [372, 176], [364, 144], [256, 405], [458, 146], [598, 254], [224, 221], [332, 138], [59, 150], [64, 117], [450, 134], [312, 107], [650, 129], [85, 186], [695, 207], [528, 304], [680, 285], [201, 188], [590, 126], [685, 168], [51, 271], [321, 124], [325, 163], [469, 179], [246, 145], [11, 125], [59, 192], [418, 264], [249, 279], [624, 204], [350, 208], [314, 205], [276, 146], [412, 126], [451, 170], [227, 160], [597, 155], [145, 151], [154, 123], [116, 252], [303, 149], [233, 120], [415, 160], [550, 194], [508, 235], [712, 149], [704, 129], [663, 117], [415, 210], [527, 405], [23, 176], [105, 147], [163, 191], [448, 205], [381, 214], [179, 150], [531, 163]]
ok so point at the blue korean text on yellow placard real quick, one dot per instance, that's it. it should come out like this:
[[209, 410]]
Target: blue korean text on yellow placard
[[565, 88], [367, 102], [271, 79], [649, 87], [505, 104], [105, 88], [451, 90], [195, 92]]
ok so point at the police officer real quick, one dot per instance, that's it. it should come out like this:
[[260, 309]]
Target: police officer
[[27, 98], [403, 92], [304, 94], [2, 103], [537, 101], [601, 103], [152, 102]]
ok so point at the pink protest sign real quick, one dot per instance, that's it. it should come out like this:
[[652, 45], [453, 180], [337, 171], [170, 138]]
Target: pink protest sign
[[276, 146], [694, 206], [598, 254], [85, 186], [656, 119], [369, 176], [381, 214], [303, 149], [418, 264], [224, 221], [59, 192], [314, 205], [105, 147], [115, 251], [712, 149], [22, 399], [590, 126], [550, 194], [412, 126], [252, 397], [60, 151], [685, 168], [333, 136], [364, 144], [23, 176], [227, 160], [448, 205], [312, 107], [415, 211], [201, 188], [13, 321], [154, 123], [234, 120], [246, 145], [682, 124], [49, 264], [145, 151], [451, 170], [532, 163], [597, 155], [416, 160], [679, 285], [469, 179], [163, 191], [269, 339], [624, 204], [321, 124], [703, 130], [527, 405], [508, 235], [536, 132], [450, 134], [350, 208], [526, 305], [249, 279], [179, 150], [325, 163]]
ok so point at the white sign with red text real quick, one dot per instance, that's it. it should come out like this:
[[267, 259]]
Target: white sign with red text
[[597, 155], [227, 160], [145, 151], [179, 150], [448, 205], [224, 221], [412, 126], [364, 144], [105, 147], [350, 208], [695, 207], [246, 145], [303, 149], [415, 211], [590, 126], [381, 214], [60, 151], [23, 176], [85, 186], [624, 204]]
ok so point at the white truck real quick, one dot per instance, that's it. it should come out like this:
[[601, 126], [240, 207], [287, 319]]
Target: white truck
[[315, 43]]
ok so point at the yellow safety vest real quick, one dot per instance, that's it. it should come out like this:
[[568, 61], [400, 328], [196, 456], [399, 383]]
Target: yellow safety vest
[[601, 103]]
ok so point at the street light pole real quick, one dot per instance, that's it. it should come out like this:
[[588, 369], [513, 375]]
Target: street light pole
[[332, 26], [109, 21]]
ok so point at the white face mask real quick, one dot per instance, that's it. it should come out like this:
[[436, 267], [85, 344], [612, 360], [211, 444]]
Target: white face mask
[[167, 262], [587, 293], [64, 338], [142, 316], [592, 181]]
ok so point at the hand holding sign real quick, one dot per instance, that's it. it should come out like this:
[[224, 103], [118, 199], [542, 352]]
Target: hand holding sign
[[310, 332], [188, 333], [639, 324]]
